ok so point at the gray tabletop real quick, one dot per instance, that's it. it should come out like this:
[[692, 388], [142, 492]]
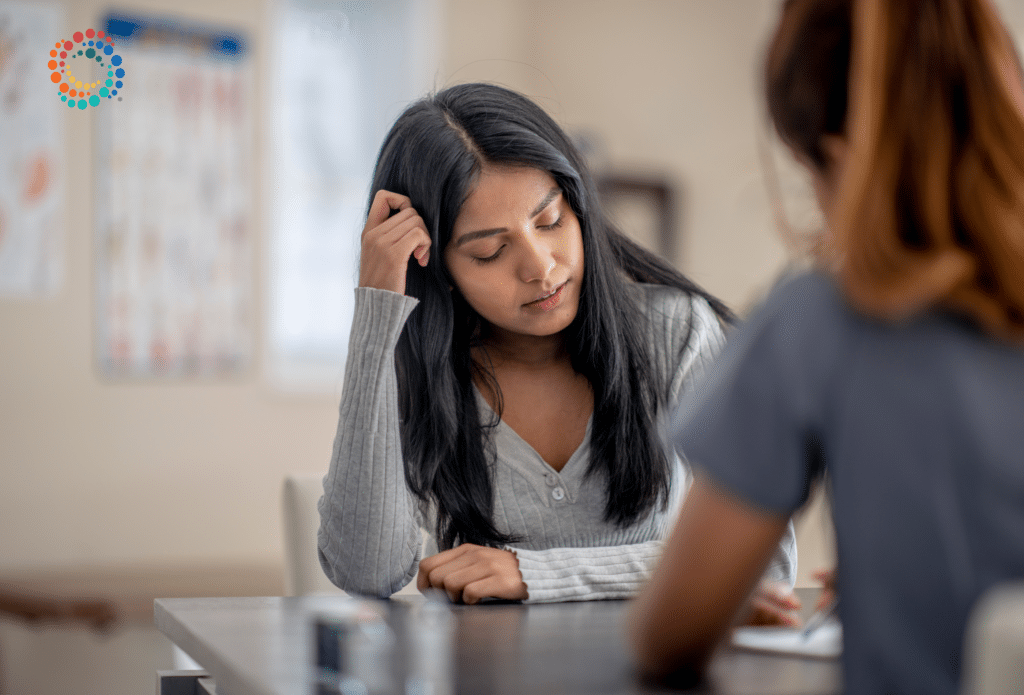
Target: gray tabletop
[[265, 646]]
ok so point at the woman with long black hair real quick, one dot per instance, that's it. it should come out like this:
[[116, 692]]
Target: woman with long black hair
[[511, 364]]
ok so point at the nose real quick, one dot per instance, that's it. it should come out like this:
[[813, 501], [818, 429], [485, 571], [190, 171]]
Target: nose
[[537, 260]]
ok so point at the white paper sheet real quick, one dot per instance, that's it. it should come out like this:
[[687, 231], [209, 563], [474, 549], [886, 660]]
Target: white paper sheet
[[824, 643]]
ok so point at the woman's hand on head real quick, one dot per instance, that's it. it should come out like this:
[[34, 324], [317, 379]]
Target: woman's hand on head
[[470, 572], [389, 240]]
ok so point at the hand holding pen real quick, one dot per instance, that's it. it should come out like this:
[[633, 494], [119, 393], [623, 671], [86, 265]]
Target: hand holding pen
[[828, 602], [828, 588], [819, 618]]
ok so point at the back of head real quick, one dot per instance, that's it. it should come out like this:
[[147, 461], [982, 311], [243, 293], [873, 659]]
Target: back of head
[[929, 206]]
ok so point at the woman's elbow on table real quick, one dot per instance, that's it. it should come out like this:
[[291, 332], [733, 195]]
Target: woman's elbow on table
[[354, 576]]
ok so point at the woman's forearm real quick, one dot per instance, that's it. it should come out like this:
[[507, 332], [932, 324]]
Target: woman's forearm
[[369, 540]]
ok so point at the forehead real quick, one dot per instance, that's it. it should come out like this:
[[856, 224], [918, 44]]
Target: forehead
[[501, 192]]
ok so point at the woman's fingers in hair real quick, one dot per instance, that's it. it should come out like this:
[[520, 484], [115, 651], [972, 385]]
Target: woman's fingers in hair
[[407, 234], [384, 204], [394, 231]]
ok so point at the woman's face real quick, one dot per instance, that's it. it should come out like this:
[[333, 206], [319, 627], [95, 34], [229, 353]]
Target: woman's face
[[516, 252]]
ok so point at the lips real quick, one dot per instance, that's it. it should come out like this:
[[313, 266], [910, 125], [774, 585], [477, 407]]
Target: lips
[[548, 301], [545, 296]]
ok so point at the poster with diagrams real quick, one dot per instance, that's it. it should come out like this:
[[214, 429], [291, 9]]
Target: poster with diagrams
[[174, 222], [31, 143]]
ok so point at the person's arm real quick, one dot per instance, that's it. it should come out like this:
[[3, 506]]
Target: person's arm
[[620, 571], [706, 342], [712, 562], [369, 540], [753, 428]]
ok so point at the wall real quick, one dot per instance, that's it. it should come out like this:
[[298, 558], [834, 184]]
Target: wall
[[100, 471]]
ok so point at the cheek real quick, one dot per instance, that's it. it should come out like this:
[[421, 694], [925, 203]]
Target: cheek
[[574, 245], [482, 286]]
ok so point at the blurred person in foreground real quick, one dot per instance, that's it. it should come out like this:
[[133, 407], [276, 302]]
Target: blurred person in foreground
[[896, 366]]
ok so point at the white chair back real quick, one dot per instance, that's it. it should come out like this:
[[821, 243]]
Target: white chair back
[[994, 647]]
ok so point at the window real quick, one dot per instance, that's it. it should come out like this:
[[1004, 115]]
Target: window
[[342, 72]]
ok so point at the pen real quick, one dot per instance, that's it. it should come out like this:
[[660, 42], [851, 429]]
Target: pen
[[819, 617]]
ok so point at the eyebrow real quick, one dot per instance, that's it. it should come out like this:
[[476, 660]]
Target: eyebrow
[[473, 236]]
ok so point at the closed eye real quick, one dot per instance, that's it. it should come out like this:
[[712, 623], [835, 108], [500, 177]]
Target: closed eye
[[554, 225], [490, 258]]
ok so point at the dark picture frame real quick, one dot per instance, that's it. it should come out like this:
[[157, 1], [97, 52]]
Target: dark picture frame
[[645, 208]]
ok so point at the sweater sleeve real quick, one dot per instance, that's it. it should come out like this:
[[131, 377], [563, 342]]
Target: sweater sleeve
[[369, 540], [586, 574]]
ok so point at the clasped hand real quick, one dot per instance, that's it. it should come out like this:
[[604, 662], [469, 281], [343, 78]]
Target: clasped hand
[[470, 573]]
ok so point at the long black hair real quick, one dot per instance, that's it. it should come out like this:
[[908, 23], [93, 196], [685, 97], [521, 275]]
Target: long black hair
[[433, 154]]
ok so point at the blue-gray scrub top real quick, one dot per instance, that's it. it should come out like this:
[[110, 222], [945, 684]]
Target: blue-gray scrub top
[[920, 427]]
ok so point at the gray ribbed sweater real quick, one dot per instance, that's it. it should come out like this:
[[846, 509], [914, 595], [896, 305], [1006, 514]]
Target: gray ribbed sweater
[[370, 538]]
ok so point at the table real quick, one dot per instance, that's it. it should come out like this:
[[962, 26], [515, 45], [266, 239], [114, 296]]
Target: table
[[264, 646]]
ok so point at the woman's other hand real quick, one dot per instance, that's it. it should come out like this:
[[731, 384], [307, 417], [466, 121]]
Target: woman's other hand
[[772, 604], [470, 572], [389, 240], [828, 587]]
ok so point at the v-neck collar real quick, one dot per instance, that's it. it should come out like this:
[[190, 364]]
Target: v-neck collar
[[512, 438]]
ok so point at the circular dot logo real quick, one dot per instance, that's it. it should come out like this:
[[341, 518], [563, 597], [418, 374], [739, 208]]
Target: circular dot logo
[[73, 62]]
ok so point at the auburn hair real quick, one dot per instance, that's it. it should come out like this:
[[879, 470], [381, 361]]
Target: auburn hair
[[929, 207]]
